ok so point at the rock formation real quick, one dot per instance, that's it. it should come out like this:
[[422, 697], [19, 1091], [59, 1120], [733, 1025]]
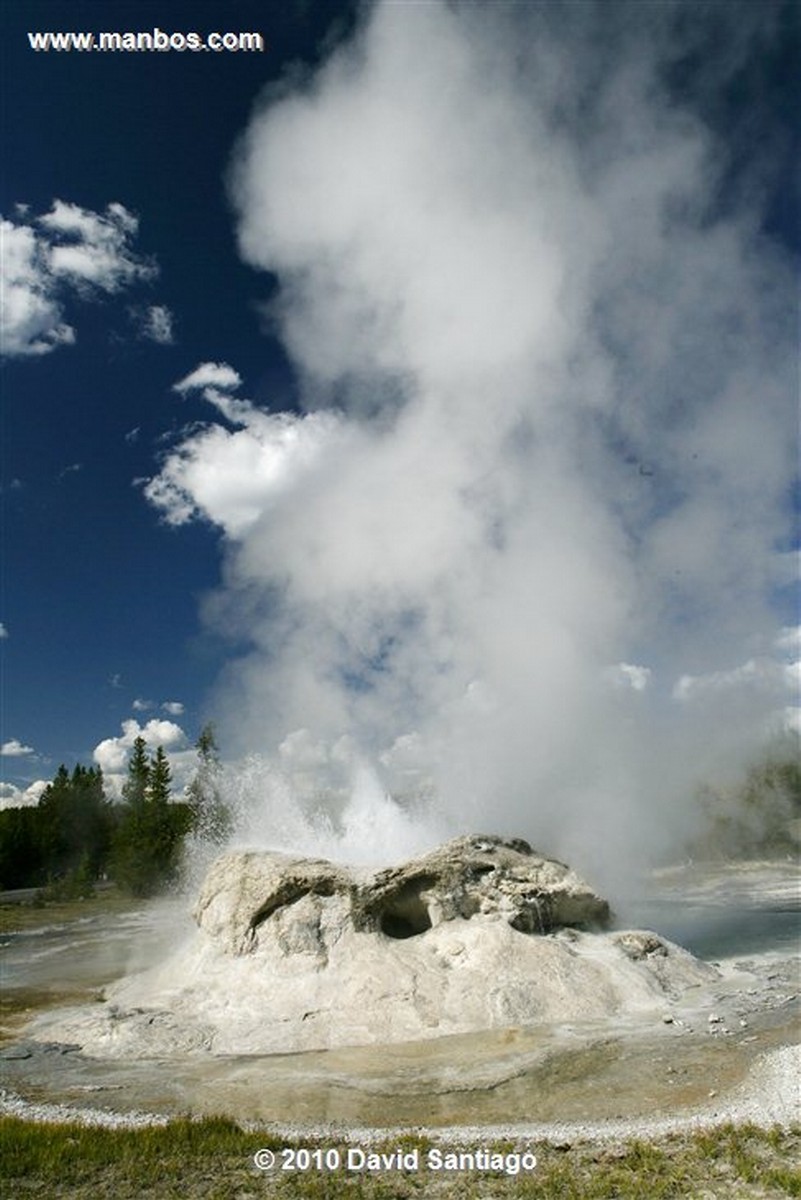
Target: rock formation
[[295, 954], [249, 897]]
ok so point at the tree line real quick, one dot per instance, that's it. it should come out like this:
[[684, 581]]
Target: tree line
[[76, 835]]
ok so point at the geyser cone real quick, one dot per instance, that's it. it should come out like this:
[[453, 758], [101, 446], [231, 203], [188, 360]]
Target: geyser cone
[[300, 954]]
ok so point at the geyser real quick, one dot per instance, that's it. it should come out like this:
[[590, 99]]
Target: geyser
[[304, 954], [517, 535]]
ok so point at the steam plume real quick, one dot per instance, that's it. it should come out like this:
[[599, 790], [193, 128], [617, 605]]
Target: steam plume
[[544, 469]]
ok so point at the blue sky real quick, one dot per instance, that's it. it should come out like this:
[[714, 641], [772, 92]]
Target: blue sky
[[100, 601], [521, 279]]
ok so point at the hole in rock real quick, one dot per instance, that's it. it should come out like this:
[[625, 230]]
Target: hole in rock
[[404, 916]]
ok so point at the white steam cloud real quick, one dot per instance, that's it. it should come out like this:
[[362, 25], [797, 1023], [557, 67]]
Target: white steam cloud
[[548, 373]]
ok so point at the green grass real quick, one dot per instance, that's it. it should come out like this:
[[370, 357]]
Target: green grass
[[212, 1159]]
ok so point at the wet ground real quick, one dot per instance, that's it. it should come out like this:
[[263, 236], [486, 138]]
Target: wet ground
[[701, 1046]]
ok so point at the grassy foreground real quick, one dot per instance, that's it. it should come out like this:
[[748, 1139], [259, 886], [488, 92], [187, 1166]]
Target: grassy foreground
[[212, 1159]]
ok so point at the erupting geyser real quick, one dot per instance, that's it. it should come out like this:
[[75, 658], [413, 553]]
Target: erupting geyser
[[300, 954]]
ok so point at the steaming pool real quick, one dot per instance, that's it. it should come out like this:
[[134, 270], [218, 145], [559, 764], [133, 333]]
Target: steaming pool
[[745, 919]]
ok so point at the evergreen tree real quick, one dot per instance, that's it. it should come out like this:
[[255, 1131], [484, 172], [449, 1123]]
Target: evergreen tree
[[212, 820], [134, 790], [133, 866], [159, 779], [151, 832], [74, 823], [21, 860], [67, 834], [51, 832]]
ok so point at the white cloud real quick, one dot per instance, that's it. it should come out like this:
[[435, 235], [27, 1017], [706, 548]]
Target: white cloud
[[173, 707], [94, 248], [111, 754], [792, 719], [209, 375], [789, 639], [31, 314], [14, 797], [630, 675], [157, 325], [47, 259], [15, 749], [230, 477], [3, 631], [760, 673], [548, 380]]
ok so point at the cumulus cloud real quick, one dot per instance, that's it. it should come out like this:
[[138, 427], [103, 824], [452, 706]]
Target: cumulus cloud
[[66, 251], [174, 707], [219, 376], [14, 748], [772, 679], [15, 797], [111, 755], [546, 358], [762, 673], [31, 315], [93, 248], [229, 476]]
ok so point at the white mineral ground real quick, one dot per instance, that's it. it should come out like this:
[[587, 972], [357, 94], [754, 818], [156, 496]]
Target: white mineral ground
[[453, 993]]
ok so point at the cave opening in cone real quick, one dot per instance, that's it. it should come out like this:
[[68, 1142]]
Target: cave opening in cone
[[404, 915]]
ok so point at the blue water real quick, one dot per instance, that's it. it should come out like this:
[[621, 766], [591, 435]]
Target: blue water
[[718, 931]]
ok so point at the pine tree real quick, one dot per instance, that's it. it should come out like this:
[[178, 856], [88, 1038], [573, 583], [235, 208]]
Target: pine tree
[[152, 829], [134, 867], [212, 820], [134, 790], [157, 790], [74, 823], [51, 832]]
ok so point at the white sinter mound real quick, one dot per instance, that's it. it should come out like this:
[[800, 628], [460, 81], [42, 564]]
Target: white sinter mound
[[299, 954]]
